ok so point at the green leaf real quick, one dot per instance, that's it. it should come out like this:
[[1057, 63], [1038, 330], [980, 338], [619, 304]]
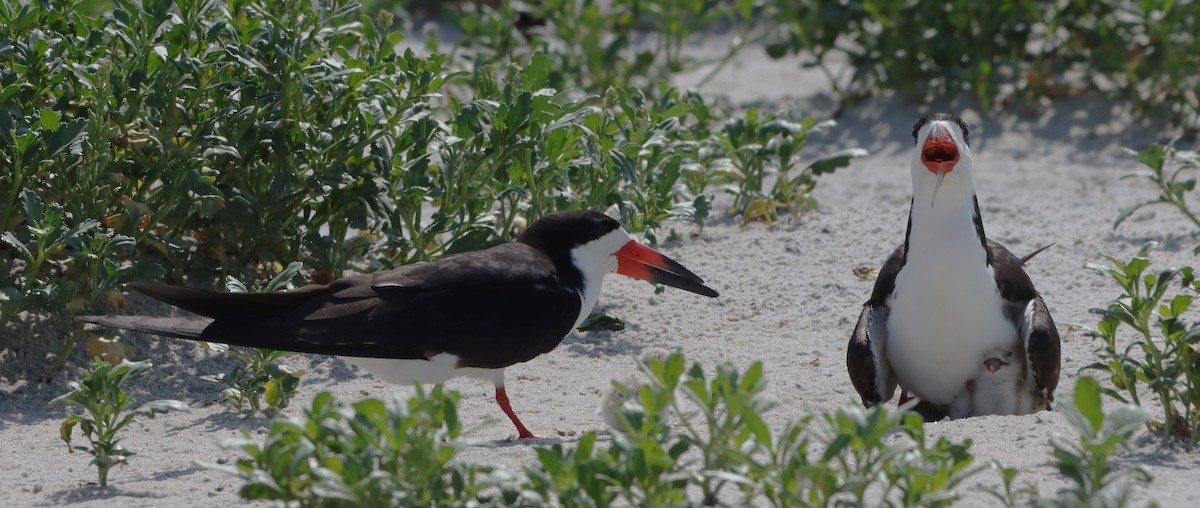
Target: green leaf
[[67, 426], [1128, 211], [6, 127], [68, 138], [1153, 157], [35, 212], [50, 119], [1087, 401], [599, 320], [285, 277], [836, 160], [12, 240]]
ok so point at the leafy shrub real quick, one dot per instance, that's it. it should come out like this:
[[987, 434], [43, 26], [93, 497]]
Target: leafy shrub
[[403, 453], [769, 146], [102, 396], [594, 46], [858, 462], [1138, 51], [185, 139], [370, 453], [1095, 480], [721, 440], [1164, 354]]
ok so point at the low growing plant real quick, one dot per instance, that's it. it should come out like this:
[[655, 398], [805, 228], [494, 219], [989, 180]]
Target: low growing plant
[[1096, 481], [730, 425], [370, 453], [102, 397], [403, 453], [643, 466], [261, 376], [1163, 355], [767, 146], [865, 455], [722, 440]]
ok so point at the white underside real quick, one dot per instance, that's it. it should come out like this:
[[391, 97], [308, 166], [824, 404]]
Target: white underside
[[939, 331], [436, 370], [946, 311]]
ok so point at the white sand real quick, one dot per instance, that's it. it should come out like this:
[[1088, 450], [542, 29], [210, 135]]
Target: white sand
[[788, 299]]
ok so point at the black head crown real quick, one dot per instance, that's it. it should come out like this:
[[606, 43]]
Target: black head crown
[[563, 231], [945, 117]]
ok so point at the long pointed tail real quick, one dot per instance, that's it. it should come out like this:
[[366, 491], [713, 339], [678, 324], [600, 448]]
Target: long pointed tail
[[189, 327], [218, 304], [1027, 257]]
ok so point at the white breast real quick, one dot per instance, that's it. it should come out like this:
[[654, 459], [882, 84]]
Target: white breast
[[946, 311]]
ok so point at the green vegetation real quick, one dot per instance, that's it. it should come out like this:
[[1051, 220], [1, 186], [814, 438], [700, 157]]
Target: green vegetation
[[1164, 354], [194, 139], [343, 454], [369, 453], [1139, 53], [200, 139], [107, 406], [1085, 461]]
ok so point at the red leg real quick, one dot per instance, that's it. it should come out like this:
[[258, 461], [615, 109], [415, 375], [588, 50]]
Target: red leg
[[903, 397], [502, 399]]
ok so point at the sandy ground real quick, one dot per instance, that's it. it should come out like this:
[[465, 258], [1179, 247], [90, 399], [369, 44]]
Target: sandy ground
[[788, 298]]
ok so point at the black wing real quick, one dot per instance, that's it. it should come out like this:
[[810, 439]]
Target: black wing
[[490, 308], [866, 355], [1028, 312]]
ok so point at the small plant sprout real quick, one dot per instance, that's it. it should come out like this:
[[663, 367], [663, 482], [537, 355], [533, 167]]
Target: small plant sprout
[[1164, 354], [261, 377], [106, 405], [1095, 480]]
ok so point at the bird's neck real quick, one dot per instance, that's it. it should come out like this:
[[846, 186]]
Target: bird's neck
[[947, 232]]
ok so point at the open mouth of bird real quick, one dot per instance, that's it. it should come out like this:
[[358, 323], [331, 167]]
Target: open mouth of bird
[[939, 155]]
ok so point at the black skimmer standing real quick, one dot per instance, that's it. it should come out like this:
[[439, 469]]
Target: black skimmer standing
[[469, 314], [953, 319]]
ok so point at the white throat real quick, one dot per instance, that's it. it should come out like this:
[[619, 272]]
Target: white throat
[[594, 260]]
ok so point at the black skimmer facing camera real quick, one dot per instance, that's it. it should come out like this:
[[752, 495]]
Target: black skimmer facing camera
[[469, 314], [954, 319]]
